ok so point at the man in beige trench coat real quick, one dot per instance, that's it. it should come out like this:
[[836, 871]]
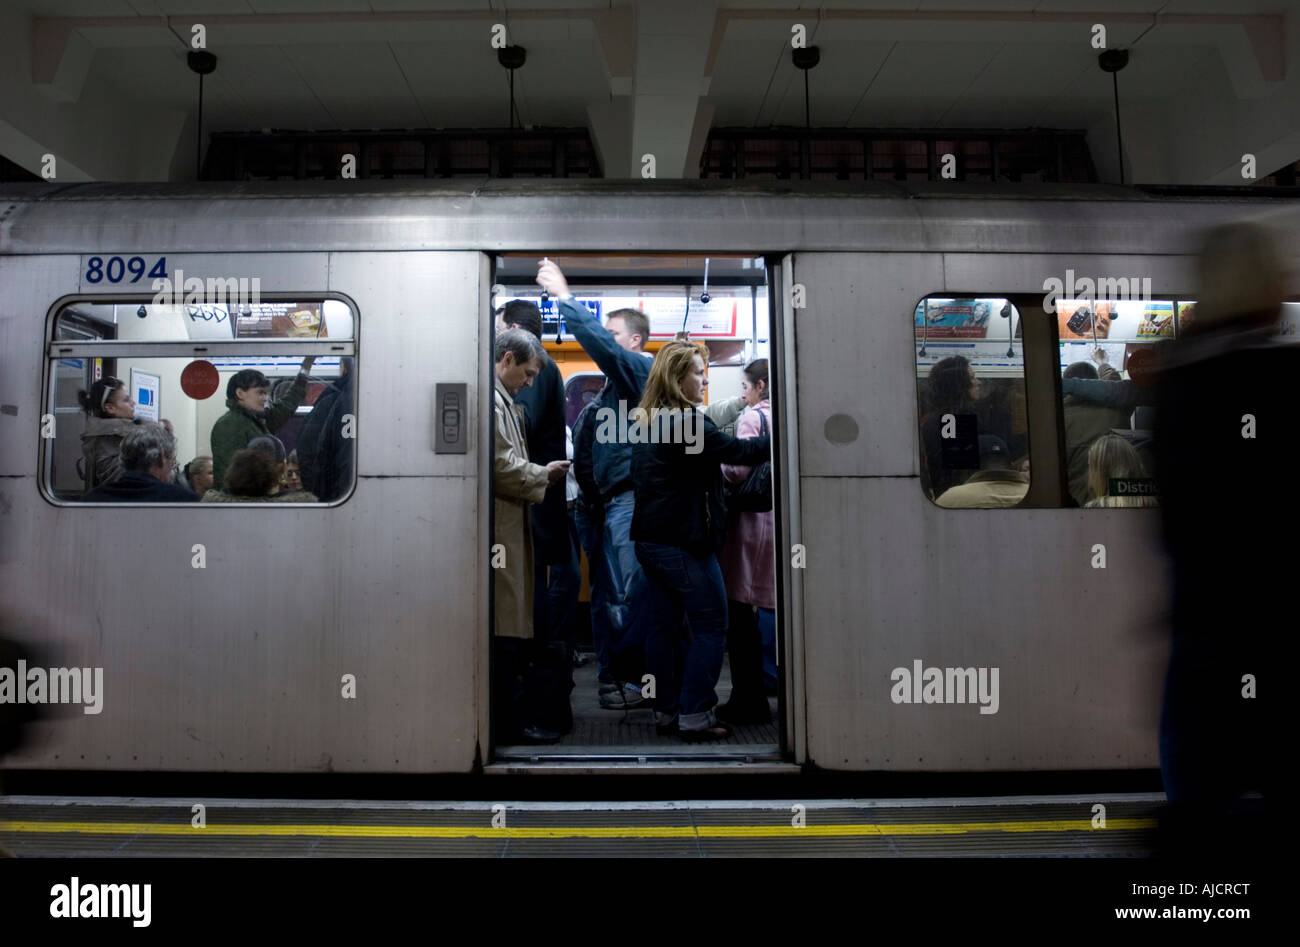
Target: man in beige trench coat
[[518, 356]]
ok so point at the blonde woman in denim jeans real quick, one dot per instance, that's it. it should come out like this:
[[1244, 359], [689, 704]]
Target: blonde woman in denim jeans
[[679, 527]]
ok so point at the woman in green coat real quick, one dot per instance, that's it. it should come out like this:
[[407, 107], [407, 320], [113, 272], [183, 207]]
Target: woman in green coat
[[250, 416]]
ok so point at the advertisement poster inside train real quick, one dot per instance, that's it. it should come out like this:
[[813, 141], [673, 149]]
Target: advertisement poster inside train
[[954, 318], [1078, 318], [1186, 316], [279, 321], [1156, 320], [669, 315]]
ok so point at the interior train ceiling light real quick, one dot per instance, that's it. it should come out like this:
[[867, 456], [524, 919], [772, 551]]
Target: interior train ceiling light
[[202, 62], [805, 58], [1112, 61], [512, 57]]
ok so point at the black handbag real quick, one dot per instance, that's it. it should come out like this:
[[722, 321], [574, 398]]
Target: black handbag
[[754, 494]]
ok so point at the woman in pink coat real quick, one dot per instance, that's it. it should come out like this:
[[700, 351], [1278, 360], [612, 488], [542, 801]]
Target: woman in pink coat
[[749, 566]]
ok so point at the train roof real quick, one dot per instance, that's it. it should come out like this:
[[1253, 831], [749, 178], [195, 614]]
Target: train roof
[[578, 215]]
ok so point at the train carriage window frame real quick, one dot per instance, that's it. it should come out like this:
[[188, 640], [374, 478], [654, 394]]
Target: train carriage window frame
[[104, 353], [970, 325]]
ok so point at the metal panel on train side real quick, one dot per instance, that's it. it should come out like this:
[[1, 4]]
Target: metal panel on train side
[[27, 287], [892, 579], [856, 369], [419, 326], [997, 274], [241, 665]]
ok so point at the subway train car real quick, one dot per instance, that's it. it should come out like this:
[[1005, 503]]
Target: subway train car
[[352, 636]]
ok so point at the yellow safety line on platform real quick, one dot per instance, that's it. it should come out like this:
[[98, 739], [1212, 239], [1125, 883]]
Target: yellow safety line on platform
[[527, 832]]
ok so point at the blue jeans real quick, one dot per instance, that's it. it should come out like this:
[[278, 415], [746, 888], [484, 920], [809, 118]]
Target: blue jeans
[[625, 601], [591, 531], [683, 584]]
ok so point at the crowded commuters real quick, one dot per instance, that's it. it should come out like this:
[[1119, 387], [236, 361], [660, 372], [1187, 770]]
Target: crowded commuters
[[148, 454], [618, 349], [249, 415], [259, 479], [748, 566], [1085, 422], [678, 526], [518, 484]]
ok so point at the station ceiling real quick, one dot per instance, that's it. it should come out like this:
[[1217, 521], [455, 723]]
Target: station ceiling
[[308, 64], [395, 64]]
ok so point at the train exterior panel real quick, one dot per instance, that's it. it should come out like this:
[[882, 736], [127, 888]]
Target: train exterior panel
[[239, 666]]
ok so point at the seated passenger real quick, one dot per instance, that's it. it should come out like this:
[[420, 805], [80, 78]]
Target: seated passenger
[[112, 417], [748, 562], [679, 527], [1111, 457], [1085, 422], [998, 483], [254, 477], [148, 455], [249, 415], [198, 474], [250, 484], [292, 479]]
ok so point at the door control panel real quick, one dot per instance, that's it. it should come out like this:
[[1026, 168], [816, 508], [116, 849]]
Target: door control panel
[[450, 419]]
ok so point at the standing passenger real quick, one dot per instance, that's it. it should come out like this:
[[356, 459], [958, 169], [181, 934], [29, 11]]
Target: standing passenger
[[248, 414], [325, 458], [679, 527], [555, 552], [518, 483], [619, 352], [748, 565], [1223, 437]]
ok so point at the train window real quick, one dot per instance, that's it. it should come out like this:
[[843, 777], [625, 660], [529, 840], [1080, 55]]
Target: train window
[[258, 414], [974, 436], [1107, 350], [1106, 404]]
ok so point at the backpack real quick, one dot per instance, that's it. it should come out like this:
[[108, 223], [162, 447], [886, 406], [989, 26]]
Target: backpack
[[754, 495]]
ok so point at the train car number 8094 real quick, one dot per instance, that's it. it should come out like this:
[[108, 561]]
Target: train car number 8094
[[115, 269]]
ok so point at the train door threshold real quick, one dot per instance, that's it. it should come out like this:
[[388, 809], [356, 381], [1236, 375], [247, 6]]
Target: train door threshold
[[519, 760]]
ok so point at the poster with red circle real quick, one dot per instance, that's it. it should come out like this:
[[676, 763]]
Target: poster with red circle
[[199, 380], [1142, 365]]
